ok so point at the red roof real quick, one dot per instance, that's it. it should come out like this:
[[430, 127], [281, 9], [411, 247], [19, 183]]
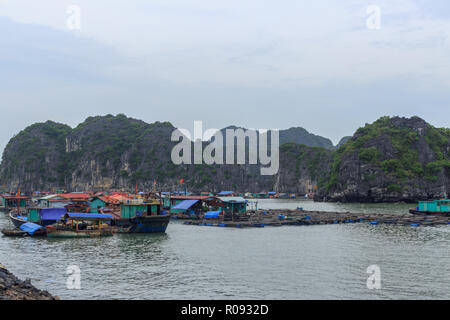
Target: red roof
[[15, 197], [120, 197], [83, 196], [190, 197], [114, 198], [108, 199]]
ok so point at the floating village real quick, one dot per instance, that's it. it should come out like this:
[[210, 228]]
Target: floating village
[[89, 214]]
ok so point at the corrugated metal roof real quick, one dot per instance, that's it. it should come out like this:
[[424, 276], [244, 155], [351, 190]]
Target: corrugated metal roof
[[232, 199], [185, 204], [48, 197]]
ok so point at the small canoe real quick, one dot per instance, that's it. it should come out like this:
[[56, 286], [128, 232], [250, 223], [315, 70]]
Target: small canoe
[[14, 233], [21, 233]]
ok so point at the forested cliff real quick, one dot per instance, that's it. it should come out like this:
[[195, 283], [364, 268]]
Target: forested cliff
[[392, 159]]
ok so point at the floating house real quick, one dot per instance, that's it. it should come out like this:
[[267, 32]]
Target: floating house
[[432, 207], [190, 204], [98, 202], [109, 201], [234, 204], [10, 201], [53, 201], [188, 207], [261, 195]]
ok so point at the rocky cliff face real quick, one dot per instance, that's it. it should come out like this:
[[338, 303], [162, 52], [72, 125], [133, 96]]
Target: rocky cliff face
[[393, 159], [302, 169], [11, 288], [117, 152], [301, 136], [35, 156]]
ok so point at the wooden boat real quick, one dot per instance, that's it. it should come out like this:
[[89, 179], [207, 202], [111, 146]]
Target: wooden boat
[[14, 233], [21, 233], [26, 229], [17, 219], [436, 207], [81, 225], [150, 224], [141, 217]]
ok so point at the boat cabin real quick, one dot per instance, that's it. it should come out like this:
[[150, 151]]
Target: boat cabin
[[132, 209], [434, 206], [81, 220]]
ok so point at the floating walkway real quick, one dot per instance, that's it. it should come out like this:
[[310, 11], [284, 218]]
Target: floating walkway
[[276, 218]]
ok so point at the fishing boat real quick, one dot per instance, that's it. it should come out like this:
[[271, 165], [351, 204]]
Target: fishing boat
[[144, 216], [27, 229], [17, 219], [436, 207], [81, 225]]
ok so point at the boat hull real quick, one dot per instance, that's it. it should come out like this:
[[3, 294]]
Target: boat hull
[[435, 213], [151, 224], [20, 233], [78, 234], [17, 221]]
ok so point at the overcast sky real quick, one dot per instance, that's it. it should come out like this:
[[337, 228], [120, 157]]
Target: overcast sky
[[256, 63]]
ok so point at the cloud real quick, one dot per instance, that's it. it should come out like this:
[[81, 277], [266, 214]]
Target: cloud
[[256, 43], [253, 63]]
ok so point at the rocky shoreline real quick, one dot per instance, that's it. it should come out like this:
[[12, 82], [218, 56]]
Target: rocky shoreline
[[12, 288]]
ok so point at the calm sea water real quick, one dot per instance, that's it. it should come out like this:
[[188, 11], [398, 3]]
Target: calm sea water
[[291, 262]]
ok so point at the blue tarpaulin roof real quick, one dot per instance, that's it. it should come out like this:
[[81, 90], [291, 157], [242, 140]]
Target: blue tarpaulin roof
[[212, 214], [77, 215], [185, 204], [52, 213], [224, 193], [30, 227]]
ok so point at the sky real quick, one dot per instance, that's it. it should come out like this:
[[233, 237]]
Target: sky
[[327, 66]]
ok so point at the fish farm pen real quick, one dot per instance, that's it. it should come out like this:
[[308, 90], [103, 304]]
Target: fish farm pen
[[306, 218]]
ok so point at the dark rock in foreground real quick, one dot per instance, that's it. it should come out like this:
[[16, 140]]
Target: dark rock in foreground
[[12, 288]]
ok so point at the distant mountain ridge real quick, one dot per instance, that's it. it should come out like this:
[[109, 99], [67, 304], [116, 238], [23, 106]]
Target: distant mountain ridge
[[296, 135], [302, 136], [117, 152], [393, 159]]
